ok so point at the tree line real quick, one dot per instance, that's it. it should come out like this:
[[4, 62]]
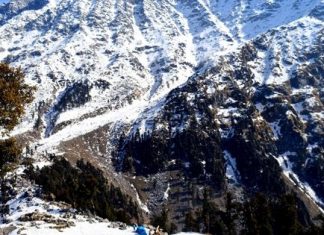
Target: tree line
[[85, 188], [259, 215]]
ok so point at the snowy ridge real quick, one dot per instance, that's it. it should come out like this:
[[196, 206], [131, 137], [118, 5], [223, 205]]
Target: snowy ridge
[[134, 47]]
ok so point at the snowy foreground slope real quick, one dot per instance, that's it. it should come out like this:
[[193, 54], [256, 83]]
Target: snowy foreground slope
[[85, 229], [59, 221], [113, 76], [32, 215]]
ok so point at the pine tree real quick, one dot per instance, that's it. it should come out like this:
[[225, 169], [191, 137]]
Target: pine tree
[[14, 95]]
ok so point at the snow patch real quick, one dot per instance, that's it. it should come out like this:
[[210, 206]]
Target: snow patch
[[166, 193], [231, 170], [287, 166]]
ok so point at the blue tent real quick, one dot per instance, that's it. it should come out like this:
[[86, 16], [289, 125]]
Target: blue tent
[[140, 230]]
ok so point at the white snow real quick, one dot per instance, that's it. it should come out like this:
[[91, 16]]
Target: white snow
[[286, 166], [145, 49], [139, 201], [130, 56], [260, 107], [231, 170], [299, 107], [166, 193], [276, 130], [81, 228]]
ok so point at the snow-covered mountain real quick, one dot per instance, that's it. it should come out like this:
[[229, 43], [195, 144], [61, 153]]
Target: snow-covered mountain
[[124, 51], [113, 76]]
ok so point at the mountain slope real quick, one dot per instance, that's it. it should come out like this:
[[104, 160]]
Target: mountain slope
[[227, 94]]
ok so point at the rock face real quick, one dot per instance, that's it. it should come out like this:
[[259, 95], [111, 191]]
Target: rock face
[[6, 231], [224, 94]]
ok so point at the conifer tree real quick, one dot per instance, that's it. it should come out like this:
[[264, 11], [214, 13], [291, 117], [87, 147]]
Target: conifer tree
[[14, 95]]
